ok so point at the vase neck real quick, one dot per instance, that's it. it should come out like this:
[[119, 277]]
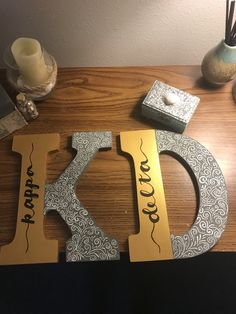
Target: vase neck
[[225, 52]]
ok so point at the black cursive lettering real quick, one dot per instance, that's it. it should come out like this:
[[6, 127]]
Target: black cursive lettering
[[149, 191], [27, 219], [29, 196]]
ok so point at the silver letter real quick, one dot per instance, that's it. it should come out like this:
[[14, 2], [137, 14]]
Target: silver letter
[[88, 242]]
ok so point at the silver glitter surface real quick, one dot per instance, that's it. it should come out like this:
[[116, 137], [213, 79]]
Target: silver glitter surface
[[213, 206], [88, 241], [176, 116]]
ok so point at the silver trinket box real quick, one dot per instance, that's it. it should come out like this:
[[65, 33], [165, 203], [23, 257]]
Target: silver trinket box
[[169, 106]]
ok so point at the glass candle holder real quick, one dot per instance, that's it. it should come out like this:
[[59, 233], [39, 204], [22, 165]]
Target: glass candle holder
[[30, 69]]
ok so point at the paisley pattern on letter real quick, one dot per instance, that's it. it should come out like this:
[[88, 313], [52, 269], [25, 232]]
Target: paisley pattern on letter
[[88, 241], [213, 207]]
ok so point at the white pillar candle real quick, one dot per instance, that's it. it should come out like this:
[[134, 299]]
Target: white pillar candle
[[28, 55]]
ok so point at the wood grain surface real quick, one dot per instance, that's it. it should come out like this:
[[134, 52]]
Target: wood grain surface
[[94, 99]]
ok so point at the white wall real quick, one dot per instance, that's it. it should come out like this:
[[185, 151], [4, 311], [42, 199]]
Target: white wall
[[116, 32]]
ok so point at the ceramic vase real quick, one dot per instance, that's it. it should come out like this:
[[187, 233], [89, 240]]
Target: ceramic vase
[[219, 64]]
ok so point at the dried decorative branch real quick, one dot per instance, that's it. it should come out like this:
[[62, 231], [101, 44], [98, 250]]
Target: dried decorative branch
[[230, 32]]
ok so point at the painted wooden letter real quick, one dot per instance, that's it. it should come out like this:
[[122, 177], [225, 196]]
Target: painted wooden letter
[[88, 241], [30, 245], [153, 241]]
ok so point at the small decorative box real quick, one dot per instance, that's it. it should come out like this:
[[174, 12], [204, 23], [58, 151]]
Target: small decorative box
[[169, 106]]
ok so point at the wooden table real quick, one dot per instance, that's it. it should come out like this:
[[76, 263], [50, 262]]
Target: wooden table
[[93, 99]]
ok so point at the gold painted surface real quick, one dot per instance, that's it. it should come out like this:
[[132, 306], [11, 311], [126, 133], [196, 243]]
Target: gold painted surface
[[153, 240], [29, 244]]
